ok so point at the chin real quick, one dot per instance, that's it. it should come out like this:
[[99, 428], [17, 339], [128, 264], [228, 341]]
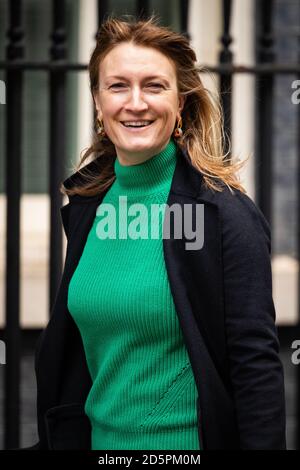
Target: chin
[[139, 147]]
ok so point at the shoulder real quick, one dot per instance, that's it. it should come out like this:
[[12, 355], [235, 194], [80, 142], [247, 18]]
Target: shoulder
[[241, 219], [84, 173]]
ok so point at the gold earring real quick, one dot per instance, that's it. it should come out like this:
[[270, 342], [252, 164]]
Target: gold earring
[[178, 131], [100, 128]]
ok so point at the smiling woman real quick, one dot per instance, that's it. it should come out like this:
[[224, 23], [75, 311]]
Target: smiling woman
[[155, 343]]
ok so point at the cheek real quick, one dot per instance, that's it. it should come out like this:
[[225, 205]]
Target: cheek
[[170, 117], [165, 112], [110, 107], [168, 110]]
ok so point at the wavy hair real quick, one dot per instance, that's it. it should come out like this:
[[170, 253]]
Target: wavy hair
[[202, 118]]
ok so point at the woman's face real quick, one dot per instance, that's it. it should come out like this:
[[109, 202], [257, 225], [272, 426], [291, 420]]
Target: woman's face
[[137, 86]]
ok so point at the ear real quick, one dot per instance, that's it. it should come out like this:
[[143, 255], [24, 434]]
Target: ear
[[181, 103], [97, 101]]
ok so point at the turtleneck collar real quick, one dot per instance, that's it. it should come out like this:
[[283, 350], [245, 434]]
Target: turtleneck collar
[[151, 176]]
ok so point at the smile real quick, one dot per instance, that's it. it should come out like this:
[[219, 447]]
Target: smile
[[136, 125]]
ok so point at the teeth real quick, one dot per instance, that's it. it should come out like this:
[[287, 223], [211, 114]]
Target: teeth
[[136, 123]]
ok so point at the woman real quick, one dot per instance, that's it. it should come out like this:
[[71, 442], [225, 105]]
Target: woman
[[157, 342]]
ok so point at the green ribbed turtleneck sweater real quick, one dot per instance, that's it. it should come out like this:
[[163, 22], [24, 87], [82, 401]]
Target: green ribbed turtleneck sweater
[[144, 393]]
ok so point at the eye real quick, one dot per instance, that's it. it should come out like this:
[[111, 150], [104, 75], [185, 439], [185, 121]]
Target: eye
[[117, 85], [155, 85]]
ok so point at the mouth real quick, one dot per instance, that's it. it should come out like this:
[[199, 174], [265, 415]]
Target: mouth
[[136, 126]]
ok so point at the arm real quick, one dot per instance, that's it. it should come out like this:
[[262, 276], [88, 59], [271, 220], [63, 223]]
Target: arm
[[253, 348]]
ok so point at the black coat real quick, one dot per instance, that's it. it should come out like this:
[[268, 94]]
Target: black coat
[[223, 298]]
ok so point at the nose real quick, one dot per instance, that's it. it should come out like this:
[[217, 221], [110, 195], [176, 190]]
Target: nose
[[136, 101]]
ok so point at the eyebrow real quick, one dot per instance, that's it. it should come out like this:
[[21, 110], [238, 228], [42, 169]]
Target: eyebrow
[[150, 77]]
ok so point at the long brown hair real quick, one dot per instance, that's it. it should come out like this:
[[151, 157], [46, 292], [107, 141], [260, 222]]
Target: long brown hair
[[202, 118]]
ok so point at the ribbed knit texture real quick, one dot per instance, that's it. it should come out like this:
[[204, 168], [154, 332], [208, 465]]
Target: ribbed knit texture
[[144, 393]]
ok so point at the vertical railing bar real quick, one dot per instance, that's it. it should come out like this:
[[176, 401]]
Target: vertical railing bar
[[184, 13], [57, 145], [14, 82], [226, 57], [142, 8], [102, 7], [264, 113]]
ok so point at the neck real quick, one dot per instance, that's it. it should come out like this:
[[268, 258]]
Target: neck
[[150, 176]]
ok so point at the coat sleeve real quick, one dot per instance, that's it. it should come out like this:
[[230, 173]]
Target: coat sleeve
[[256, 370]]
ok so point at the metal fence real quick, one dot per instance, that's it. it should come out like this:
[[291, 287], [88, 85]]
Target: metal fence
[[57, 67]]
